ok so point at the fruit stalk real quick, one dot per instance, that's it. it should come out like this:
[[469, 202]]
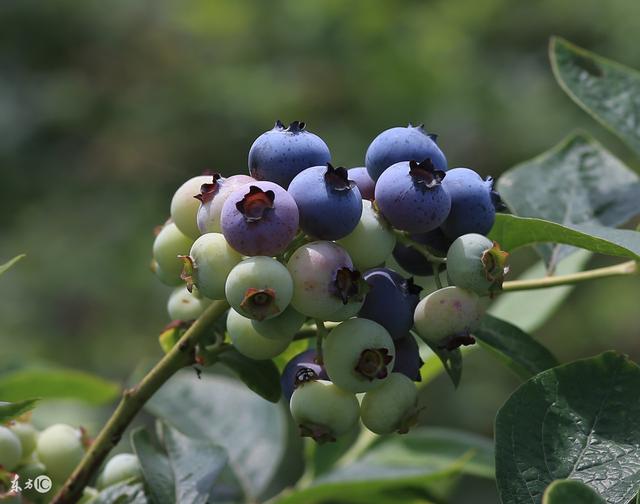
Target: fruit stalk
[[134, 399], [408, 242]]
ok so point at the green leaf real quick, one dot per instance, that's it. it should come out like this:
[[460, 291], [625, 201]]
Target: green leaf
[[578, 182], [512, 232], [155, 465], [519, 351], [567, 491], [252, 430], [576, 421], [530, 309], [396, 464], [435, 359], [196, 463], [56, 384], [9, 411], [260, 376], [5, 267], [607, 90], [122, 493]]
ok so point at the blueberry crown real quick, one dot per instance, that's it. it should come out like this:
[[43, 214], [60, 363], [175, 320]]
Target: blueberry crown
[[425, 173], [208, 191], [256, 203], [338, 178], [294, 127]]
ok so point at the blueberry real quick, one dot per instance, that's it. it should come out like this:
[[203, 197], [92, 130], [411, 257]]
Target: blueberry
[[366, 185], [473, 203], [60, 448], [212, 197], [412, 260], [392, 407], [329, 203], [10, 449], [281, 153], [260, 218], [249, 342], [119, 468], [408, 361], [402, 144], [184, 207], [411, 197], [170, 243], [390, 301], [301, 368]]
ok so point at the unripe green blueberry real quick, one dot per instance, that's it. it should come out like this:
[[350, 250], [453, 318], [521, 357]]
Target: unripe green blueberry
[[210, 261], [60, 449], [391, 407], [28, 436], [167, 247], [89, 495], [259, 288], [323, 411], [10, 449], [184, 205], [121, 467], [282, 327], [212, 197], [476, 263], [250, 342], [324, 280], [184, 305], [371, 242], [446, 317], [358, 355]]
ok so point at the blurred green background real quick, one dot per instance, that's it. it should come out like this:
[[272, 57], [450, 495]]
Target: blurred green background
[[106, 107]]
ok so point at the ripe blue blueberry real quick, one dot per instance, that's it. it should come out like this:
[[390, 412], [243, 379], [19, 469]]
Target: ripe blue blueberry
[[390, 301], [300, 369], [402, 144], [366, 185], [329, 203], [473, 203], [408, 361], [411, 197], [476, 263], [281, 153], [212, 196], [259, 219]]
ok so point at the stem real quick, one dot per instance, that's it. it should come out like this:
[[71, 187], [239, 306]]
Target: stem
[[322, 332], [626, 268], [424, 250], [133, 399], [436, 275]]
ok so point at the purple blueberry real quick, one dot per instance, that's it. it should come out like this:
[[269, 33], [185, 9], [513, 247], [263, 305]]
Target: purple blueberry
[[366, 185], [473, 203], [329, 203], [300, 368], [281, 153], [408, 361], [411, 197], [413, 261], [402, 144], [390, 302], [259, 218]]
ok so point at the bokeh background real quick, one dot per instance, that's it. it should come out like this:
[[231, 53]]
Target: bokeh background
[[106, 107]]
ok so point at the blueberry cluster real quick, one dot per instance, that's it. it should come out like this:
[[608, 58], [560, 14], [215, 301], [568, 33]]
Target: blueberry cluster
[[303, 244]]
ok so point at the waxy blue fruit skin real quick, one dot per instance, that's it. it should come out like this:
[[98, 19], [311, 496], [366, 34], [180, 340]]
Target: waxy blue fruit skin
[[411, 197], [366, 185], [304, 360], [281, 153], [266, 232], [473, 203], [329, 204], [390, 301], [402, 144], [408, 361]]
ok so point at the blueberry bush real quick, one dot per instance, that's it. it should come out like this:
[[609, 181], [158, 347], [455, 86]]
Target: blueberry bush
[[311, 303]]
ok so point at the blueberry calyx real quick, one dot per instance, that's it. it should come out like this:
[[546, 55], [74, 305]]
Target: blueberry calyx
[[208, 191], [349, 285], [188, 270], [496, 200], [494, 262], [425, 174], [411, 287], [260, 303], [279, 126], [296, 127], [409, 420], [255, 203], [338, 178], [373, 363], [455, 341], [319, 433]]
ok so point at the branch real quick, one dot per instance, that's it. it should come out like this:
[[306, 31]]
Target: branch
[[133, 399]]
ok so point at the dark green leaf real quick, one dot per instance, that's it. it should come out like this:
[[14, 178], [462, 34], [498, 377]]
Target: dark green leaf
[[607, 90], [519, 351], [408, 465], [4, 267], [576, 183], [196, 463], [252, 430], [576, 421], [9, 411], [567, 491], [451, 361], [156, 468], [122, 493], [512, 232], [260, 376], [57, 383]]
